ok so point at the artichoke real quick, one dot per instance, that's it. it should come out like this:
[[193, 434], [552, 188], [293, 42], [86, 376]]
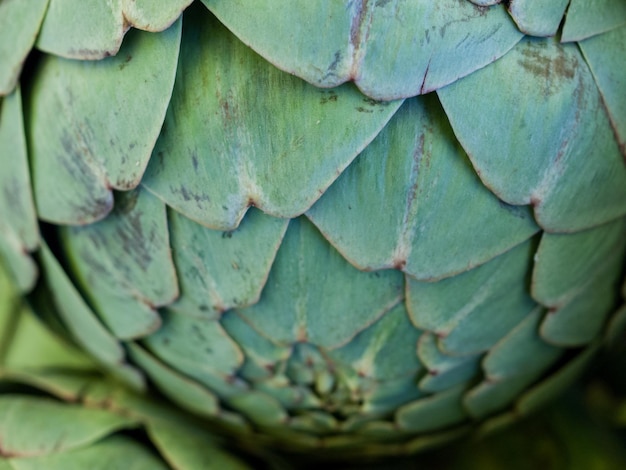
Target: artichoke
[[363, 227]]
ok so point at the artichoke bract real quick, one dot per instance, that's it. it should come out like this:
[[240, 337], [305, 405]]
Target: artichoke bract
[[58, 411], [360, 226]]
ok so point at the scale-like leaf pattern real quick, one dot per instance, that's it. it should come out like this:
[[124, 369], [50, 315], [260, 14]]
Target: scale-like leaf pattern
[[311, 268], [241, 133], [391, 49], [536, 121], [398, 206]]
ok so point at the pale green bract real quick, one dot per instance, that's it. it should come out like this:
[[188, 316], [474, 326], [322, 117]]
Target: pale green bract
[[364, 227]]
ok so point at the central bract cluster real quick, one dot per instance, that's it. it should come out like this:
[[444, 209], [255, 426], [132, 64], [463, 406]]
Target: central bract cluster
[[318, 266]]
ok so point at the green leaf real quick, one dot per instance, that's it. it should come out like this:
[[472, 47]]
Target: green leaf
[[604, 54], [32, 347], [23, 269], [260, 408], [302, 398], [431, 440], [382, 351], [472, 311], [581, 319], [33, 426], [19, 233], [84, 143], [94, 29], [83, 324], [566, 264], [240, 132], [62, 383], [554, 148], [538, 18], [153, 16], [9, 312], [444, 371], [413, 201], [314, 422], [299, 289], [186, 448], [116, 453], [124, 264], [432, 413], [365, 399], [522, 351], [390, 49], [514, 363], [263, 358], [179, 389], [199, 348], [556, 383], [587, 18], [82, 29], [103, 393], [19, 25], [305, 364], [222, 270]]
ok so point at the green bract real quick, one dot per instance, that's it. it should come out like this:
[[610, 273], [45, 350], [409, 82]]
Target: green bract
[[363, 227], [87, 421]]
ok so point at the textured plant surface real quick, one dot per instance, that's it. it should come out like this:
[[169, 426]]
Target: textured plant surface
[[366, 227]]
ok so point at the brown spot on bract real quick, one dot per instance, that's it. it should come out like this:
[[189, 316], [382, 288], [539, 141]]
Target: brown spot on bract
[[328, 96], [551, 70], [189, 195], [399, 264], [123, 65], [373, 102]]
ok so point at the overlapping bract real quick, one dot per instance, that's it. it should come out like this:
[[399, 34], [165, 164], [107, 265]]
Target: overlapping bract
[[85, 420], [318, 267]]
